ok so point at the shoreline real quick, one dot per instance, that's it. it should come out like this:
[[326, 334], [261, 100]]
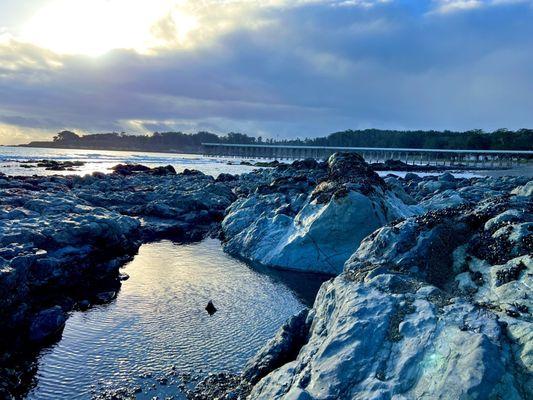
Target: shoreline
[[26, 165], [386, 165]]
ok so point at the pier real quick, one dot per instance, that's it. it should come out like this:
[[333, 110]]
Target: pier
[[475, 158]]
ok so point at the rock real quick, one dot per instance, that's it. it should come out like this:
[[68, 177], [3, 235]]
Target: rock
[[308, 163], [267, 164], [283, 348], [128, 169], [293, 223], [410, 176], [397, 188], [161, 171], [105, 297], [47, 325], [421, 310], [210, 308], [226, 178], [446, 177], [526, 190], [189, 172], [53, 165], [383, 337], [84, 304]]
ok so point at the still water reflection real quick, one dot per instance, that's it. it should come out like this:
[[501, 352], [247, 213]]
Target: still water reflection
[[158, 321]]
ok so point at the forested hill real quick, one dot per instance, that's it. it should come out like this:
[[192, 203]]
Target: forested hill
[[191, 143]]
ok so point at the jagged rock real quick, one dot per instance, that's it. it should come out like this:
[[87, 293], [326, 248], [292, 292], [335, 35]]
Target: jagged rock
[[84, 304], [283, 348], [416, 314], [526, 190], [293, 223], [221, 386], [226, 178], [410, 176], [47, 324], [389, 336]]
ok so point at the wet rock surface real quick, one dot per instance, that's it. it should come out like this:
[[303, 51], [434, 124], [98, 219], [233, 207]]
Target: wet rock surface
[[427, 307], [310, 216]]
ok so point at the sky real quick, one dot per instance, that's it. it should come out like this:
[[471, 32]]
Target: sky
[[270, 68]]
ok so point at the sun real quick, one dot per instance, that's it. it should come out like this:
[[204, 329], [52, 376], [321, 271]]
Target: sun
[[94, 27]]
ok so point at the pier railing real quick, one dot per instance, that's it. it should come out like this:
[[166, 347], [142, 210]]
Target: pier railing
[[477, 158]]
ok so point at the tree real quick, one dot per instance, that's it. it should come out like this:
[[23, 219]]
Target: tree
[[66, 136]]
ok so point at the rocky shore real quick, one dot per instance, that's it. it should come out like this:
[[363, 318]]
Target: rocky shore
[[431, 297], [436, 304], [64, 239]]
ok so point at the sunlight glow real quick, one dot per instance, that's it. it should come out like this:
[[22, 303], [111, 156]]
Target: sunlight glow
[[93, 27]]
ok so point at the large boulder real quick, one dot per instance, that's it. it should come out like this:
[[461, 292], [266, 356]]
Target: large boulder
[[300, 224]]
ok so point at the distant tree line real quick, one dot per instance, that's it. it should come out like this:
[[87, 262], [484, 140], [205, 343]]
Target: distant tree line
[[501, 139]]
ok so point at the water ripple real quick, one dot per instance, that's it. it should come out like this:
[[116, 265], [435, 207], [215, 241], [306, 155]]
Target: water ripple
[[158, 320]]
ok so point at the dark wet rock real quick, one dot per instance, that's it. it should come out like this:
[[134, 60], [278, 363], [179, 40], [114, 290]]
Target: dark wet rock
[[210, 308], [308, 163], [347, 172], [47, 324], [410, 176], [283, 348], [510, 274], [447, 177], [221, 386], [84, 304], [226, 178], [52, 165], [189, 172], [267, 164], [397, 165], [128, 169], [105, 297], [161, 171]]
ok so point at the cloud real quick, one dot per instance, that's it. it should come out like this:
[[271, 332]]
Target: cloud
[[289, 69], [448, 6]]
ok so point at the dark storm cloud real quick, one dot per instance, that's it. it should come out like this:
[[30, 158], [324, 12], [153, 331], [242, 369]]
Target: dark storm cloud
[[311, 70]]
